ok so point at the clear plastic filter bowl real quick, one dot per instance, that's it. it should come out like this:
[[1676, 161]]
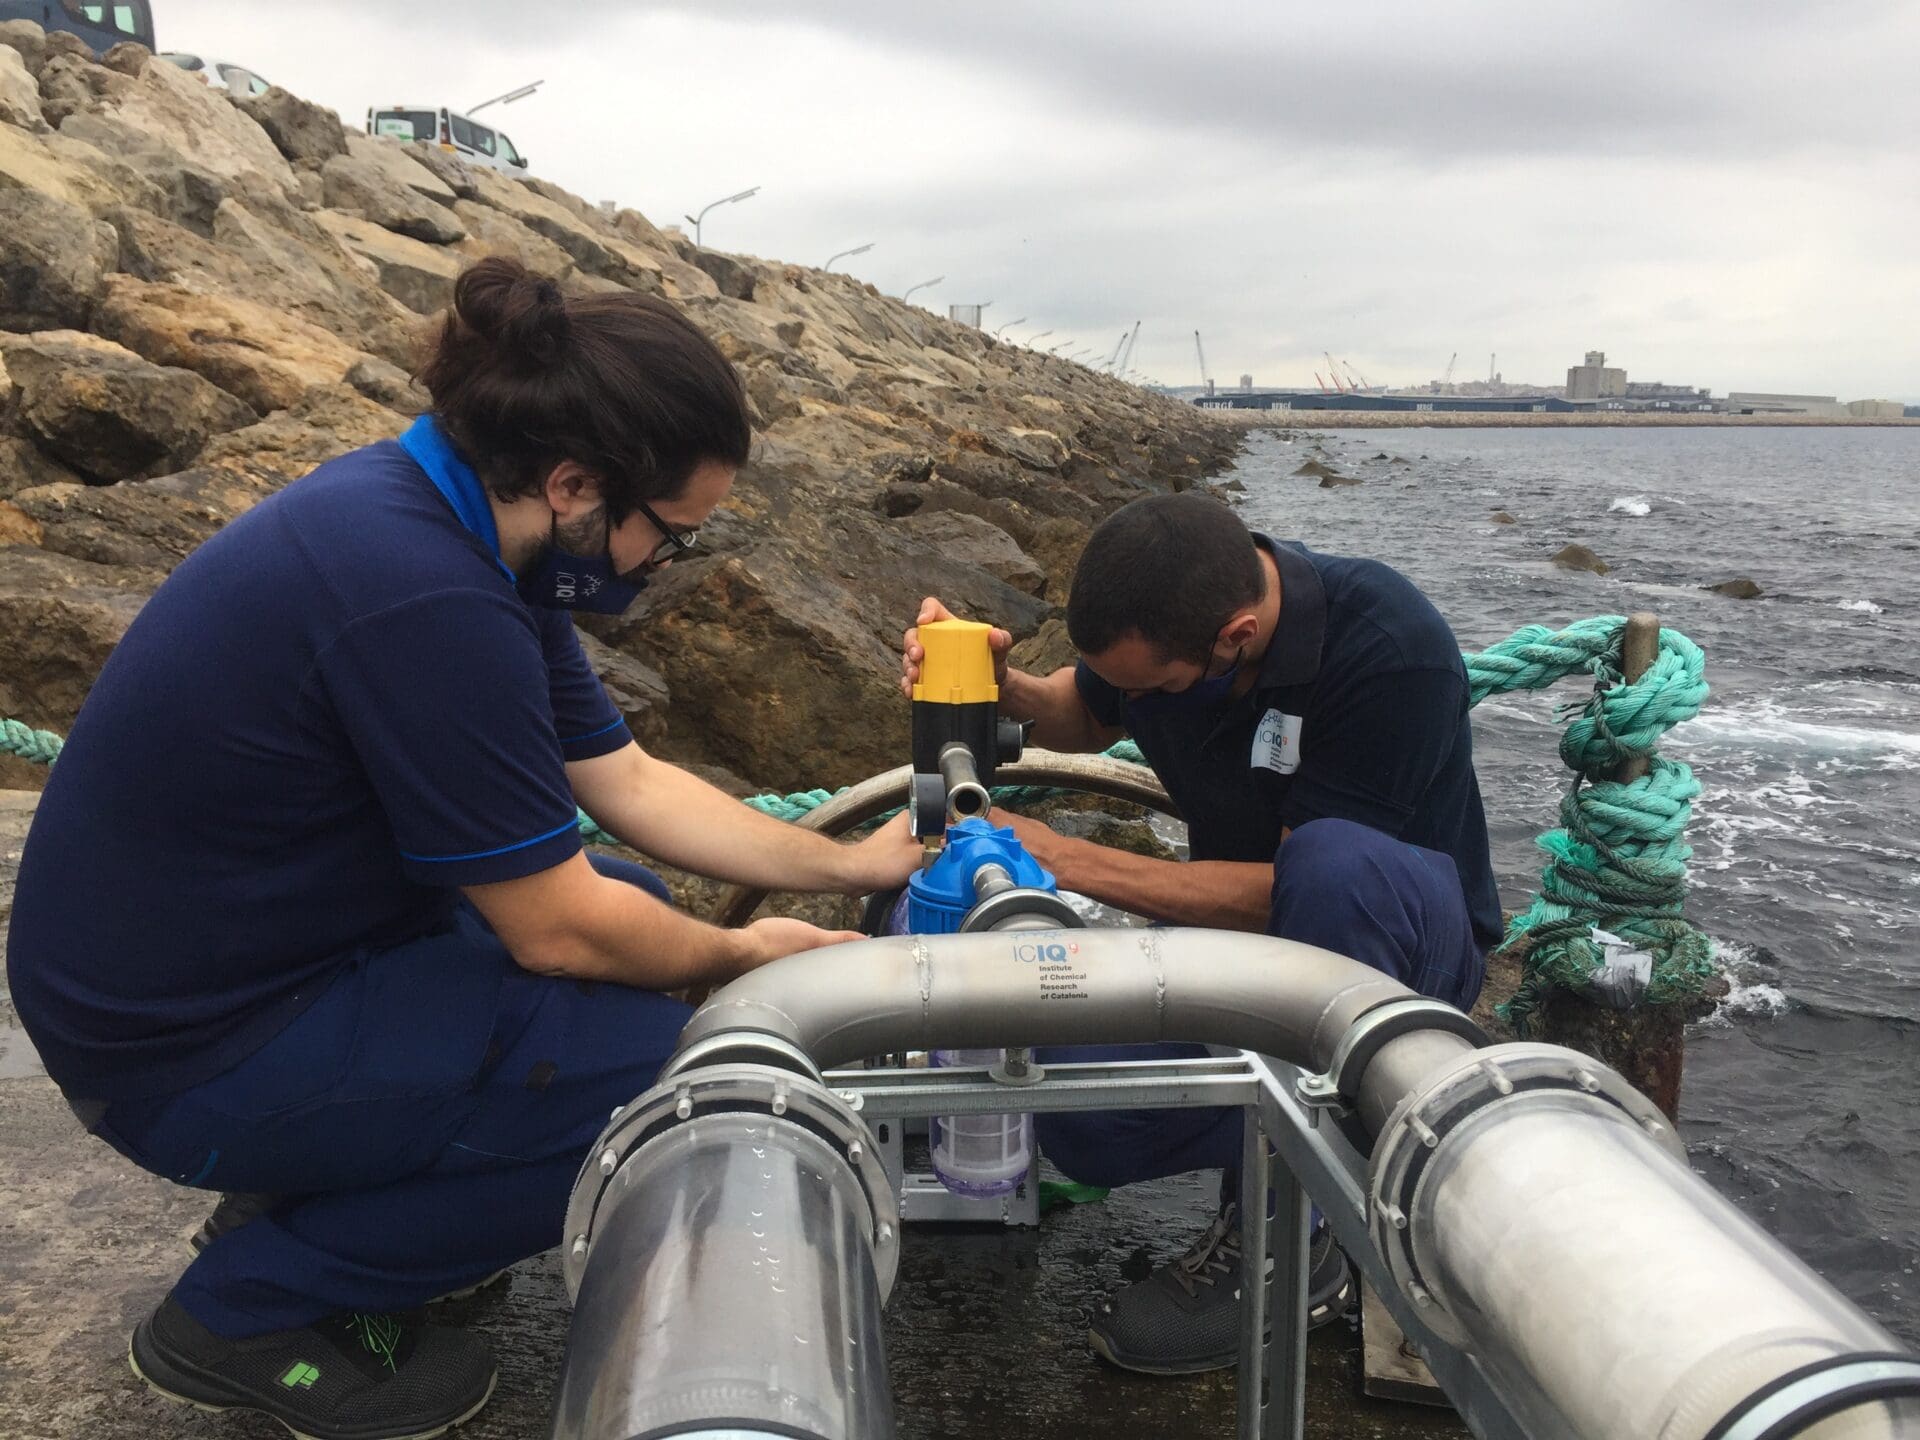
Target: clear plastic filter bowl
[[982, 1156]]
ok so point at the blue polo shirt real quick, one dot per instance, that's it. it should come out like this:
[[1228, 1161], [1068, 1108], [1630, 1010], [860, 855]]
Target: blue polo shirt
[[1359, 713], [332, 714]]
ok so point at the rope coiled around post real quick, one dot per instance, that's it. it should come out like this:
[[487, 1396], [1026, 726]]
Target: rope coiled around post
[[1619, 859]]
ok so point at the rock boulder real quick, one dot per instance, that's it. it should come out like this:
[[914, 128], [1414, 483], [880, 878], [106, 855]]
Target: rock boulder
[[973, 541], [165, 102], [732, 277], [1738, 589], [1579, 557], [53, 260], [59, 621], [106, 412], [19, 92], [446, 167], [254, 352], [419, 276], [24, 466], [307, 134], [356, 185]]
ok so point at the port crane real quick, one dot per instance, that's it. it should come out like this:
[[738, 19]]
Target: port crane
[[1333, 370], [1200, 351], [1447, 379]]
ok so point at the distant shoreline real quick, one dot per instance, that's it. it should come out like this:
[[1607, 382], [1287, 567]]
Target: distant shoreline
[[1514, 419]]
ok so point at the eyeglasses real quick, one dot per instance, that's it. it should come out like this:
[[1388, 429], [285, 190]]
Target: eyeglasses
[[676, 543]]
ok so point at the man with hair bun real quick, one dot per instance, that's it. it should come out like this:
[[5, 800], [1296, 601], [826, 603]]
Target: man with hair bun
[[1307, 714], [304, 914]]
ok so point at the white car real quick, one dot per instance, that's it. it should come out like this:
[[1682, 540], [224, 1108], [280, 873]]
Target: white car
[[473, 142], [220, 74]]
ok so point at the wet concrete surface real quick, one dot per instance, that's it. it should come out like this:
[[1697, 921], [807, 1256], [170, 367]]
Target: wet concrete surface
[[986, 1329]]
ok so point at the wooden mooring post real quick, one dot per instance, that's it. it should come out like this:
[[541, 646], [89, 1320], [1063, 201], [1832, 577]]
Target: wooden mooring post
[[1646, 1043]]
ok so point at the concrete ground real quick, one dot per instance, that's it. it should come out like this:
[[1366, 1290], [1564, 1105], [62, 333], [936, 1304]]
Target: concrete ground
[[986, 1329]]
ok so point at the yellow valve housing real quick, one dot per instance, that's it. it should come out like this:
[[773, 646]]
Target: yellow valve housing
[[958, 666]]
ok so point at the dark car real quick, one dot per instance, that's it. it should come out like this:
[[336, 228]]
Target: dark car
[[101, 26]]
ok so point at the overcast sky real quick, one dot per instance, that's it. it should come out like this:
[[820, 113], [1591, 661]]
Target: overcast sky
[[1716, 192]]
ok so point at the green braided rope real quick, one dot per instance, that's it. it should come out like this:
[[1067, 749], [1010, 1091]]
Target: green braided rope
[[39, 746], [1618, 860]]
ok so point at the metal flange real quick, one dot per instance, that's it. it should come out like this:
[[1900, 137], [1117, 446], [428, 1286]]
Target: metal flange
[[1021, 908], [734, 1089], [1421, 1123]]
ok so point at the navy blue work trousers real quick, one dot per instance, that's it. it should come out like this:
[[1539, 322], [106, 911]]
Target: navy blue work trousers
[[424, 1119], [1342, 886]]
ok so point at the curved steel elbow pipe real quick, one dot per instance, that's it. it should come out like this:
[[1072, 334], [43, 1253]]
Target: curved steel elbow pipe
[[871, 997]]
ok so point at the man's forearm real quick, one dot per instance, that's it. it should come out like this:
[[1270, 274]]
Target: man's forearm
[[1219, 894], [1052, 703], [674, 816], [629, 938]]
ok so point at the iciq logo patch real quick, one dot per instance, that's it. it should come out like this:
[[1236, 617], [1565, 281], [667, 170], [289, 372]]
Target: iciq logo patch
[[1032, 954]]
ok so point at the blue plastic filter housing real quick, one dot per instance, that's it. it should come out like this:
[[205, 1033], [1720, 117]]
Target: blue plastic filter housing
[[983, 1156]]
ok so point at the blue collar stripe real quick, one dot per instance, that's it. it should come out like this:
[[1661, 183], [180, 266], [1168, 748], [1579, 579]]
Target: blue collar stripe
[[456, 482]]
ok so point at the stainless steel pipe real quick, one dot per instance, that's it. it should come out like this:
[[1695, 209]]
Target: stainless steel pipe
[[1592, 1271], [1550, 1221], [953, 992]]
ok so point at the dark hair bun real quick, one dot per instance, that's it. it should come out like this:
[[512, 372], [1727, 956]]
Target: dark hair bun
[[521, 314]]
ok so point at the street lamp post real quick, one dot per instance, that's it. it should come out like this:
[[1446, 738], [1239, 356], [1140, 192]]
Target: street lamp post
[[922, 285], [507, 98], [844, 254], [1033, 340], [1008, 324], [695, 220]]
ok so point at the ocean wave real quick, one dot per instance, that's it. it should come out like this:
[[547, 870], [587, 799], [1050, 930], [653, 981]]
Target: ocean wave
[[1750, 996], [1770, 726], [1630, 505], [1864, 607]]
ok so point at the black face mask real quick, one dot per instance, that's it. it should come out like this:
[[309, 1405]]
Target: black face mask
[[561, 580], [1203, 694]]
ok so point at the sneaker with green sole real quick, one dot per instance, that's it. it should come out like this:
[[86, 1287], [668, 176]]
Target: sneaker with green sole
[[349, 1377]]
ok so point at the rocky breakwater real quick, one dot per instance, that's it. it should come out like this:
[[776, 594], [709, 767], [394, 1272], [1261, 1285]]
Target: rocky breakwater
[[201, 299]]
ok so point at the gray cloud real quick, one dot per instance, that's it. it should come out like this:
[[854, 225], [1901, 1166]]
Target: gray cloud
[[1714, 192]]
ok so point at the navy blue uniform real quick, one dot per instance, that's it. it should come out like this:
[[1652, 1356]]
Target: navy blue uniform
[[1355, 739], [238, 920]]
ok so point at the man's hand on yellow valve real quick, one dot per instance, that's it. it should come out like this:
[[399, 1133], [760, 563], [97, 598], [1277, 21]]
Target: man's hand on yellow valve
[[911, 653]]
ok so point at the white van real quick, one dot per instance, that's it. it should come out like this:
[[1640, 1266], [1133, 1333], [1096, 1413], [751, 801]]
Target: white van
[[473, 142]]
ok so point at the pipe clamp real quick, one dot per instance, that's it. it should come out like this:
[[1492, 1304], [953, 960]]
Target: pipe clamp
[[700, 1090]]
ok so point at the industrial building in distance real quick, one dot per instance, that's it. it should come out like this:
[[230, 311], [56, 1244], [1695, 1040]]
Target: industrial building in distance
[[1591, 386]]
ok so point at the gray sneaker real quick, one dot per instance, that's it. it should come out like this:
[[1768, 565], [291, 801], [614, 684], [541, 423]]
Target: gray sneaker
[[1185, 1316]]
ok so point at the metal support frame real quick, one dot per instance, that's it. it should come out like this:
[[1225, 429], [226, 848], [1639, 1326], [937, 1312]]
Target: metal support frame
[[1292, 1153]]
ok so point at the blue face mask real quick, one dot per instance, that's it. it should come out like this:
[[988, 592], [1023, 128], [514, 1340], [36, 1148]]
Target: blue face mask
[[1203, 694], [560, 580]]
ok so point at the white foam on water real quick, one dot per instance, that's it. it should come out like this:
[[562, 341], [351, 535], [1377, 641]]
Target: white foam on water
[[1863, 607], [1748, 997], [1630, 505], [1768, 726]]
